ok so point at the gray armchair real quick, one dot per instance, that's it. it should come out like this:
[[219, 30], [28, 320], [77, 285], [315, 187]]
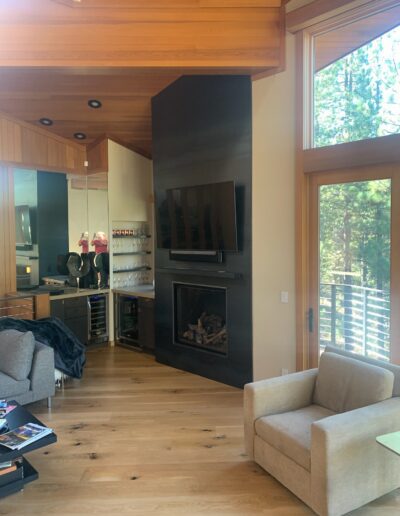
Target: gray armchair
[[315, 431], [26, 368]]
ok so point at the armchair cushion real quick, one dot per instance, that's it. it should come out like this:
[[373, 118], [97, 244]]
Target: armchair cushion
[[290, 433], [345, 383], [16, 351]]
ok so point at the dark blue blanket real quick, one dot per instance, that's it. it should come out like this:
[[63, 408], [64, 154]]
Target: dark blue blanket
[[69, 352]]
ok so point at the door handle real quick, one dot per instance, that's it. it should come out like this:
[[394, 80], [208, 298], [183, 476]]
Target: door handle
[[310, 320]]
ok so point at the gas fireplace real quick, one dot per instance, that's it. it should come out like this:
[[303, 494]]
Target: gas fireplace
[[200, 317]]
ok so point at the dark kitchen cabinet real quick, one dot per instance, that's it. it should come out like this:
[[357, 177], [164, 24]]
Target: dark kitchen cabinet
[[74, 313], [86, 316]]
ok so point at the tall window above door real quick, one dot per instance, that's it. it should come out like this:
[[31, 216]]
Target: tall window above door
[[357, 80]]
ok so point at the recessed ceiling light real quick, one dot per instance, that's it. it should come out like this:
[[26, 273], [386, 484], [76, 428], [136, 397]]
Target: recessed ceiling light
[[94, 103], [46, 121], [80, 136]]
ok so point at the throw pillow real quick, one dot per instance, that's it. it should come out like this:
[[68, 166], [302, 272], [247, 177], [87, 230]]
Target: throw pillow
[[16, 353]]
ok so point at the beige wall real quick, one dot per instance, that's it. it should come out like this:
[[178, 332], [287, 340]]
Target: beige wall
[[130, 186], [129, 183], [130, 191], [273, 221]]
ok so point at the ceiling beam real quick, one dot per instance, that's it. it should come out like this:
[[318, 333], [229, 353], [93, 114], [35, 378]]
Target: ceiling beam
[[161, 34]]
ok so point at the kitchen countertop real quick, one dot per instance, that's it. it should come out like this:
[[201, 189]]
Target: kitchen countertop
[[75, 292], [139, 291]]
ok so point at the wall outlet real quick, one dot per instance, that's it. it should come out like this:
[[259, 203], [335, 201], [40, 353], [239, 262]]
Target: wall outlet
[[284, 371], [284, 297]]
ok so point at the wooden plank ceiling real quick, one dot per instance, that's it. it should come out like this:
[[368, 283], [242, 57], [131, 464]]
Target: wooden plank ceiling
[[55, 55]]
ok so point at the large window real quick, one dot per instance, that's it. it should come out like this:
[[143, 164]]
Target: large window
[[357, 83]]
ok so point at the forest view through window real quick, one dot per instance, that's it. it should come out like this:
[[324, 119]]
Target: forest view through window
[[354, 267], [356, 96]]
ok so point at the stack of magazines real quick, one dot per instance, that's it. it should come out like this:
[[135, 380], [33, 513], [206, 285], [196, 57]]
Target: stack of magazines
[[10, 471], [24, 435]]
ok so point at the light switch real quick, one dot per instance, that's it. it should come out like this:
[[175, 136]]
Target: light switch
[[284, 297]]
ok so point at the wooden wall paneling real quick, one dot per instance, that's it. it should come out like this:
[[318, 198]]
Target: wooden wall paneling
[[97, 156], [8, 277], [23, 144], [10, 141]]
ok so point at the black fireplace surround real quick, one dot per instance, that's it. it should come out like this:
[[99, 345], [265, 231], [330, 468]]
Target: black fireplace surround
[[200, 317], [202, 135]]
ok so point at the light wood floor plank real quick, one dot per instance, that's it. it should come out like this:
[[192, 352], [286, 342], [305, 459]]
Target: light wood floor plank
[[139, 438]]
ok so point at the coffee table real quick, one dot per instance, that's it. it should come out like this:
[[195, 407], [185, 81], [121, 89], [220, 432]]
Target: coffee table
[[390, 441], [20, 416]]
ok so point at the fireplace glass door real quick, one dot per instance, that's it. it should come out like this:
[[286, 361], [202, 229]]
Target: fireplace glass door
[[200, 317]]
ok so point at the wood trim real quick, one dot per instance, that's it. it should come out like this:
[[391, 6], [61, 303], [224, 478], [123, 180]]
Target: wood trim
[[8, 274], [327, 162], [301, 221], [343, 175], [354, 154], [41, 306], [395, 271], [323, 11], [282, 49], [313, 280]]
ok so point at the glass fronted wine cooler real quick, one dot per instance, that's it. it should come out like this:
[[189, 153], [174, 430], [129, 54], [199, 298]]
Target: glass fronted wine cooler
[[134, 322], [127, 321]]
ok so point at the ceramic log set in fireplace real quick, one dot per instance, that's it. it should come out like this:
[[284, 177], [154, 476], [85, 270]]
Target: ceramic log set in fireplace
[[200, 317]]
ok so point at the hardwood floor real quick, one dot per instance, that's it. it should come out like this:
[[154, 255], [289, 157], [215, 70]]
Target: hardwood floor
[[139, 438]]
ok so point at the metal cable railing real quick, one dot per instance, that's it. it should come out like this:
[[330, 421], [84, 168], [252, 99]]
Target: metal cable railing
[[355, 318]]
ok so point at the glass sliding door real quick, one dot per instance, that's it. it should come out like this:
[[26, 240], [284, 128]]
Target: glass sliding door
[[352, 280]]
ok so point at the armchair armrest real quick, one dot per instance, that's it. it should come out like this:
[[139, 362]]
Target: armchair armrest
[[42, 372], [348, 467], [274, 396]]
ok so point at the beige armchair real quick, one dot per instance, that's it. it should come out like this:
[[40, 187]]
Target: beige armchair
[[315, 431]]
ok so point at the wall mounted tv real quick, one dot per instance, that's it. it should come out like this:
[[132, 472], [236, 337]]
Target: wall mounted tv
[[198, 218]]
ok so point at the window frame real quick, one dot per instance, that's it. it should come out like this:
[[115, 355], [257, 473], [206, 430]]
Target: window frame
[[313, 161]]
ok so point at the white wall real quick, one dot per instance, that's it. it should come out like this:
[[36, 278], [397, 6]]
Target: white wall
[[129, 183], [274, 221], [130, 191]]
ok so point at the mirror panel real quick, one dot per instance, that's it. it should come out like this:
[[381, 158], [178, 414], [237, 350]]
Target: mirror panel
[[55, 214]]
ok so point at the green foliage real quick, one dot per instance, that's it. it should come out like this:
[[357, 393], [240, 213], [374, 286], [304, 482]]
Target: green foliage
[[355, 233], [358, 96]]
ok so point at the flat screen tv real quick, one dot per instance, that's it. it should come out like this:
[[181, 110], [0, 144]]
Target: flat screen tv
[[23, 231], [198, 218]]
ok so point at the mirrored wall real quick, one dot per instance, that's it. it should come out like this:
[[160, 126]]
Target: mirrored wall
[[57, 214]]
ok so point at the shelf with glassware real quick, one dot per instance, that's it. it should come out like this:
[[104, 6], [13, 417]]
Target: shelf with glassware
[[131, 254]]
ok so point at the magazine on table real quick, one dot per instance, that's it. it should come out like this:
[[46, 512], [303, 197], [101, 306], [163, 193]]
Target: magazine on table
[[24, 435], [5, 408]]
